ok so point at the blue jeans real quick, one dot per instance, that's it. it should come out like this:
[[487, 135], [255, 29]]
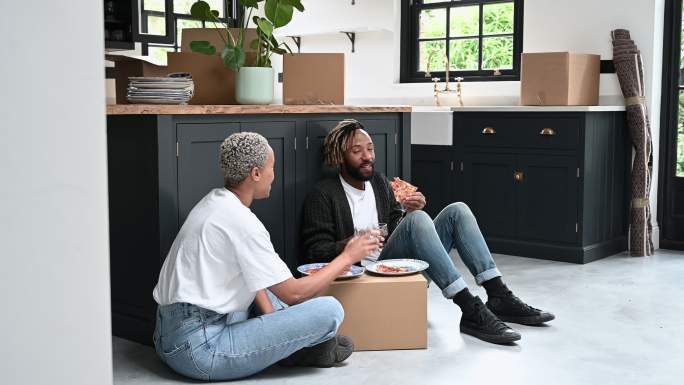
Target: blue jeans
[[205, 345], [419, 237]]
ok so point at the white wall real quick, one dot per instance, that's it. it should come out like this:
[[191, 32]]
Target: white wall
[[54, 279], [372, 72]]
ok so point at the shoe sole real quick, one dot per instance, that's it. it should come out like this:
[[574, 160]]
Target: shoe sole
[[495, 339], [527, 320]]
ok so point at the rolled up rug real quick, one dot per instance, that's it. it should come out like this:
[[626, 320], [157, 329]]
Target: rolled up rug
[[629, 69]]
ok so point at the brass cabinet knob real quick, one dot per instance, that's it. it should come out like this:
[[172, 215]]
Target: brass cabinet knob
[[519, 176], [547, 131], [488, 131]]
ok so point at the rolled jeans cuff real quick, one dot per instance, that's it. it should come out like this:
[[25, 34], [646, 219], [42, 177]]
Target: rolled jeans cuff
[[487, 275], [456, 286]]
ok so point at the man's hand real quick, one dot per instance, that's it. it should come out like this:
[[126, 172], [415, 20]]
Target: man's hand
[[414, 201]]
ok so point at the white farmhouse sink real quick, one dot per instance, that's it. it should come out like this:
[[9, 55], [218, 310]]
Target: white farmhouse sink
[[432, 125]]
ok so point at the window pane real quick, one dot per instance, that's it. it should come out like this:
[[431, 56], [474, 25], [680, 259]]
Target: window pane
[[463, 54], [156, 25], [154, 5], [183, 6], [181, 24], [159, 53], [464, 21], [497, 52], [680, 137], [436, 52], [498, 18], [432, 23]]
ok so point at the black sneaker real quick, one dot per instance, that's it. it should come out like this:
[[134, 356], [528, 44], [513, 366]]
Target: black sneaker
[[481, 323], [323, 355], [510, 308]]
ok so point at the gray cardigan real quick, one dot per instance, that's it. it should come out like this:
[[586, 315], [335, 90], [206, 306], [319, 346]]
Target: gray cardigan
[[327, 224]]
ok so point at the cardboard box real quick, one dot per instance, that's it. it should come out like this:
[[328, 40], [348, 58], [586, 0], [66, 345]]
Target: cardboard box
[[383, 313], [213, 36], [559, 79], [126, 66], [313, 78], [214, 82]]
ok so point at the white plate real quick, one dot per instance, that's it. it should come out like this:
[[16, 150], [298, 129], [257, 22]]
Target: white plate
[[408, 266], [356, 271]]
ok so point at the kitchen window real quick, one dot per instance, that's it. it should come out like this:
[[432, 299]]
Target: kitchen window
[[153, 22], [482, 39]]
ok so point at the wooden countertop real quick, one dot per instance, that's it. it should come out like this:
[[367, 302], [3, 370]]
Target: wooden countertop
[[169, 109]]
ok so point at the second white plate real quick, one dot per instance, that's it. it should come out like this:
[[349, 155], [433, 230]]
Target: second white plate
[[398, 266]]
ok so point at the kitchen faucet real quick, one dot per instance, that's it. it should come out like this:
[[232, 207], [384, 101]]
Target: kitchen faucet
[[446, 89]]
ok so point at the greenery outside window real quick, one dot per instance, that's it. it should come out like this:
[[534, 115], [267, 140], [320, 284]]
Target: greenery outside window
[[482, 39], [152, 21]]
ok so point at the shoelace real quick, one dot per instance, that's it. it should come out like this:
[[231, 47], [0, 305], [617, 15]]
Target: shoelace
[[488, 318], [520, 303]]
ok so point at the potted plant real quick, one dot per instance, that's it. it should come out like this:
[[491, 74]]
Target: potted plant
[[253, 81]]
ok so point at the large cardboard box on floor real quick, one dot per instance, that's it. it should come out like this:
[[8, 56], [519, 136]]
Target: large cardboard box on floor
[[559, 79], [383, 313], [313, 78]]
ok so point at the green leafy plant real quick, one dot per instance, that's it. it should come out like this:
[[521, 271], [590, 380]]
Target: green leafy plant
[[278, 14]]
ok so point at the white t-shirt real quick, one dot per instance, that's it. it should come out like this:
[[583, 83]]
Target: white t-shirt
[[220, 258], [363, 210]]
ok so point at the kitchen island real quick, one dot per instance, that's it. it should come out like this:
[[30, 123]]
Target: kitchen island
[[164, 158], [545, 182]]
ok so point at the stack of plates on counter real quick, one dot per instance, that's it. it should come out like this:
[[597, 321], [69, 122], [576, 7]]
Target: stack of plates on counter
[[160, 90]]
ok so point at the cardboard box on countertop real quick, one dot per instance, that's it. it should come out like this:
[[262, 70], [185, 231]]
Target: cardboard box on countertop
[[559, 79], [313, 78], [126, 66], [214, 36], [214, 82], [383, 313]]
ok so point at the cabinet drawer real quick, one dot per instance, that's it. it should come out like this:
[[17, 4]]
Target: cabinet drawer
[[530, 132]]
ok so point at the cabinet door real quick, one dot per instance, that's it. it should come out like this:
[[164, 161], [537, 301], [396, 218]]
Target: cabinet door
[[198, 161], [433, 171], [383, 132], [489, 190], [277, 212], [547, 198]]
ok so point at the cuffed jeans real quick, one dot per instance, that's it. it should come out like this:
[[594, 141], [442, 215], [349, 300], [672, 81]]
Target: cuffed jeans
[[419, 237], [205, 345]]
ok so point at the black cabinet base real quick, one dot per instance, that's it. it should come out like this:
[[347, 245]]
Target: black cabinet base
[[560, 253], [132, 328]]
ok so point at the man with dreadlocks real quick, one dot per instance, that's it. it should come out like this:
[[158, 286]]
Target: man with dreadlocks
[[360, 198]]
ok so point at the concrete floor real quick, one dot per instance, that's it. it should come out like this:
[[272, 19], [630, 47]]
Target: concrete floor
[[617, 322]]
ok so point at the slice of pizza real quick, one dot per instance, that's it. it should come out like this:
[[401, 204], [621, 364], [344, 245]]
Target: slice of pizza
[[402, 189]]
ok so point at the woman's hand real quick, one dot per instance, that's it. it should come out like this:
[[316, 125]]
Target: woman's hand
[[363, 245]]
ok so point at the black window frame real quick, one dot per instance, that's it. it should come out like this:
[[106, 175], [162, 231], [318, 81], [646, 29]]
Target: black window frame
[[409, 51], [230, 8]]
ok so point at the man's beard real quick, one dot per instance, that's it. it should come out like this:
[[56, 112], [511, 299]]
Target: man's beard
[[355, 172]]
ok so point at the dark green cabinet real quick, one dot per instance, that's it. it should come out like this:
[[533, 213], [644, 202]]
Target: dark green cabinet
[[489, 190], [198, 161], [548, 185], [433, 170], [547, 195], [160, 166]]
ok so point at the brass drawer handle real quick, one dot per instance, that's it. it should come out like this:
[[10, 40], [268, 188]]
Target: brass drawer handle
[[548, 131], [519, 176], [488, 131]]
